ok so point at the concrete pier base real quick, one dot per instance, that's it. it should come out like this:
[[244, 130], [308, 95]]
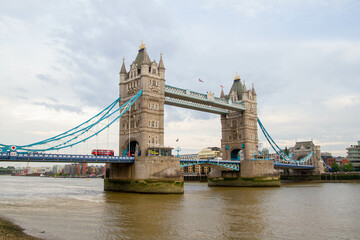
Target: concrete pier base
[[252, 174], [144, 185], [149, 174]]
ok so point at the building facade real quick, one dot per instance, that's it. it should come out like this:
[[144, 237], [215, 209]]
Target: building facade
[[143, 126], [353, 155], [239, 129]]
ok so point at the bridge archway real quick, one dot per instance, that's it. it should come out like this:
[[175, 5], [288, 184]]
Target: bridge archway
[[235, 154], [132, 147]]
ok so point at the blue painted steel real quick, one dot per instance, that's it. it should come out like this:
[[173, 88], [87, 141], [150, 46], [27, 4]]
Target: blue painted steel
[[199, 101], [327, 166], [65, 134], [231, 165], [65, 158], [293, 166], [4, 147], [279, 151], [108, 112]]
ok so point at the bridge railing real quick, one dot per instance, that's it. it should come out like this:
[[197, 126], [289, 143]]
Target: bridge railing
[[48, 157], [204, 98]]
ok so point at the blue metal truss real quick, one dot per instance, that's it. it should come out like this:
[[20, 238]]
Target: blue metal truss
[[199, 101], [293, 166], [76, 135], [14, 156], [230, 165], [280, 152]]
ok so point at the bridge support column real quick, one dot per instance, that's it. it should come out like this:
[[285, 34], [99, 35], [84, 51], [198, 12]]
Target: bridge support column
[[149, 174], [252, 174]]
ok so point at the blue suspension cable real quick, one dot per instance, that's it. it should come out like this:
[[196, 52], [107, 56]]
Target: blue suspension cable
[[125, 107]]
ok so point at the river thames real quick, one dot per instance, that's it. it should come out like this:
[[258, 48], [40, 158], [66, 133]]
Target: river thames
[[65, 208]]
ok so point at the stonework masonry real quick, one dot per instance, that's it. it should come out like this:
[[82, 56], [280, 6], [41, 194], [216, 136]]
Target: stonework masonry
[[141, 127], [239, 129]]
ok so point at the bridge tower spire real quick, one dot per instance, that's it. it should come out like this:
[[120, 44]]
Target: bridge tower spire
[[142, 129], [240, 143]]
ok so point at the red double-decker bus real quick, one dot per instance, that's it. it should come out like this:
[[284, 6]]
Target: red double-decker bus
[[102, 152]]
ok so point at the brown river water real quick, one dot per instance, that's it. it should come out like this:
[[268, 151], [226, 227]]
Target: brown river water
[[53, 208]]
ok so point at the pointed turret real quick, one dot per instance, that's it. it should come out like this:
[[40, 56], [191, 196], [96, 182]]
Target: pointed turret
[[253, 89], [161, 67], [146, 60], [142, 58], [244, 87], [222, 95], [123, 68], [237, 88], [123, 72], [161, 63]]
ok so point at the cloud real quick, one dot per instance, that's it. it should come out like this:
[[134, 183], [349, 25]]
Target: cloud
[[303, 57], [46, 78], [342, 101], [60, 107]]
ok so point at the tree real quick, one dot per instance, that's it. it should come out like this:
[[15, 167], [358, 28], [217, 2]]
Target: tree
[[335, 167], [286, 151], [348, 167]]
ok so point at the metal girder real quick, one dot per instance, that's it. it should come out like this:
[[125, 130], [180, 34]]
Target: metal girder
[[227, 165], [65, 158], [199, 101], [194, 106], [293, 166]]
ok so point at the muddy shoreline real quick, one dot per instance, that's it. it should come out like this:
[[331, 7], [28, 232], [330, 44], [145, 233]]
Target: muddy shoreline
[[11, 231]]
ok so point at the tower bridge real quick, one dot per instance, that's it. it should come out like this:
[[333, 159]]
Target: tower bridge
[[143, 94]]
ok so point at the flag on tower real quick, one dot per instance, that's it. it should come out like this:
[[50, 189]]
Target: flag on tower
[[200, 80], [221, 86]]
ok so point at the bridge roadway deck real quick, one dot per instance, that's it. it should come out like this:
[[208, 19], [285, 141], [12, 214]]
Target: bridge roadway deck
[[74, 158], [293, 166], [64, 158], [235, 165]]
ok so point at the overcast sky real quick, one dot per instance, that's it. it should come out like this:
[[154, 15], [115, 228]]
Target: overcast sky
[[60, 63]]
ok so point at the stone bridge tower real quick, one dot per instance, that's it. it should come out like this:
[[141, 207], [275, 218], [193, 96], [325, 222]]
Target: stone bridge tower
[[240, 142], [143, 125], [141, 128], [301, 150], [239, 129]]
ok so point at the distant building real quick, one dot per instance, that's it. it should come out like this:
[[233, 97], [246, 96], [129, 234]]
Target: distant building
[[205, 153], [329, 161], [325, 155], [344, 161], [274, 156], [71, 169], [82, 169], [57, 168], [354, 155], [209, 152]]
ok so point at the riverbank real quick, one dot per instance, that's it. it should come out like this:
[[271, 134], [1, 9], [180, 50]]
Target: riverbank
[[11, 231]]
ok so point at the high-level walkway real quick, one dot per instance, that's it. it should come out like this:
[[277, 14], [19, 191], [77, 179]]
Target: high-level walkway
[[198, 101]]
